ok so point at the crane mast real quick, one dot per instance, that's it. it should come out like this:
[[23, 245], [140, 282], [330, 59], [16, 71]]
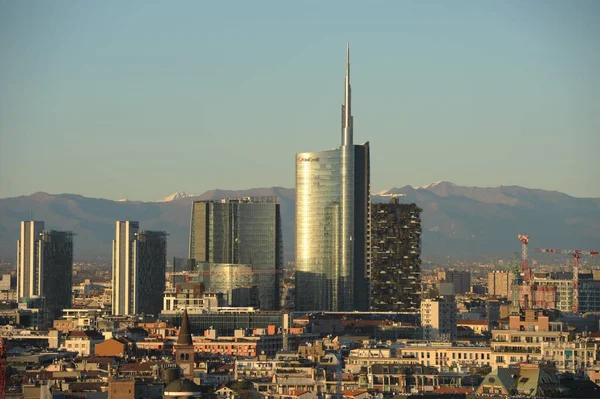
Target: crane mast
[[576, 254]]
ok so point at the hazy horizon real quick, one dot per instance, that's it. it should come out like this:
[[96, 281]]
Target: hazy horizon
[[198, 193]]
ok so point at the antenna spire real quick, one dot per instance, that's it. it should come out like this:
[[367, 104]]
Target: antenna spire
[[347, 120]]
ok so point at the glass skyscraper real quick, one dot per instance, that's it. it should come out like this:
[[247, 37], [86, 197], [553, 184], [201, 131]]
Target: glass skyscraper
[[241, 231], [332, 222]]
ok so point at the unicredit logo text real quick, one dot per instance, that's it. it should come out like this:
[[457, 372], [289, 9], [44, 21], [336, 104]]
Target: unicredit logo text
[[301, 159]]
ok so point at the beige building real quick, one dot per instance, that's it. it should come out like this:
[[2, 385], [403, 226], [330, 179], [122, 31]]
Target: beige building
[[438, 319], [447, 356], [500, 283]]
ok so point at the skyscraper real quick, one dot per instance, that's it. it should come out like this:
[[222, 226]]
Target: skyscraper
[[45, 267], [241, 231], [139, 261], [396, 257], [332, 221]]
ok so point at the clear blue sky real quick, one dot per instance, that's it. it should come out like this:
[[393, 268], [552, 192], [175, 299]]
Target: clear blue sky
[[139, 99]]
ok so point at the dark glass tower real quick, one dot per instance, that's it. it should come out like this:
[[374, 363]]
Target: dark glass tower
[[241, 231], [396, 257], [332, 222]]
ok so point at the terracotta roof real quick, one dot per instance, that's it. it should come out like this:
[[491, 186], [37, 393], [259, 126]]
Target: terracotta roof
[[136, 366], [452, 390], [96, 359], [93, 334], [297, 392], [86, 386], [354, 392], [472, 322]]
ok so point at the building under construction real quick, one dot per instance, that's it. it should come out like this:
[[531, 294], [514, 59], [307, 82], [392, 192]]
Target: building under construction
[[396, 257], [567, 292]]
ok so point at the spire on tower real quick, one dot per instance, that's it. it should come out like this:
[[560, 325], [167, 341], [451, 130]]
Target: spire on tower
[[185, 337], [347, 121]]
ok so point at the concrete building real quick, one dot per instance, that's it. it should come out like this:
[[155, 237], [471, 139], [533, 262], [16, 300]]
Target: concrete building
[[45, 267], [461, 280], [192, 295], [396, 257], [520, 337], [138, 269], [438, 319], [5, 282], [500, 283], [83, 342], [241, 231], [332, 222], [563, 295]]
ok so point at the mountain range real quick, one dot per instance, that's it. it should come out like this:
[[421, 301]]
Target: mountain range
[[458, 221]]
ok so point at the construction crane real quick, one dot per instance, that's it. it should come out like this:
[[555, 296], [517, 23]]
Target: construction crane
[[514, 268], [527, 287], [527, 275], [576, 254]]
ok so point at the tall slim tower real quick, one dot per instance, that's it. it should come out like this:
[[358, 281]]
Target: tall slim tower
[[332, 221], [28, 254], [139, 261], [45, 267]]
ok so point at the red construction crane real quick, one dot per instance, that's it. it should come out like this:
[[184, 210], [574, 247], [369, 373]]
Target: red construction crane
[[527, 275], [576, 254]]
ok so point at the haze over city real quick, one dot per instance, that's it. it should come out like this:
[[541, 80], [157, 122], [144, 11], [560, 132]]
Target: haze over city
[[200, 95], [299, 200]]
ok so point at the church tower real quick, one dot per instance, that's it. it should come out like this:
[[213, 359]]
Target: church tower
[[184, 348]]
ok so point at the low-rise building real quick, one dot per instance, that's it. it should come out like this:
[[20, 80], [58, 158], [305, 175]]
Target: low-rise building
[[83, 342], [119, 346]]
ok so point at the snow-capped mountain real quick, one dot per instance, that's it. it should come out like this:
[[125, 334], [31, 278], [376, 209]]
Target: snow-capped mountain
[[176, 196]]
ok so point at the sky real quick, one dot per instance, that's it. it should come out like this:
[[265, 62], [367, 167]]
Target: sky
[[139, 99]]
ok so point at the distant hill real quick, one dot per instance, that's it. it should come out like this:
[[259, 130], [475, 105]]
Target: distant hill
[[458, 221]]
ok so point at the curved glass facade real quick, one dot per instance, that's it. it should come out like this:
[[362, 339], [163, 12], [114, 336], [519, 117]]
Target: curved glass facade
[[331, 214], [318, 204], [332, 222]]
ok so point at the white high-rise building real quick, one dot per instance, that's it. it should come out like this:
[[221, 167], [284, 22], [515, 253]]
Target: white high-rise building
[[139, 260], [29, 281]]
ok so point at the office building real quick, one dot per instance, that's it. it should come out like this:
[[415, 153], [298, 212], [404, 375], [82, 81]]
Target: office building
[[333, 222], [438, 319], [45, 267], [5, 282], [237, 283], [241, 231], [500, 283], [139, 260], [461, 280], [396, 257]]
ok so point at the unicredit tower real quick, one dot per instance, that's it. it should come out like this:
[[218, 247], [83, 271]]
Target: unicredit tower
[[332, 222]]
